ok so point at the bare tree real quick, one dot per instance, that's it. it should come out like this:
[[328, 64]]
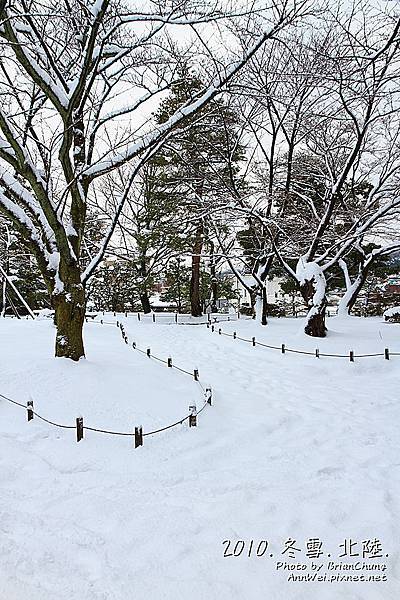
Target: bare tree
[[75, 77], [350, 128]]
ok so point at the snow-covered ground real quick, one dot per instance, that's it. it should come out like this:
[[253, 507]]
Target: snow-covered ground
[[293, 447]]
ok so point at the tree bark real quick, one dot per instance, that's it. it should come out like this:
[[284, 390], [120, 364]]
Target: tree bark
[[195, 303], [352, 289], [264, 307], [144, 299], [69, 305], [313, 287], [214, 281]]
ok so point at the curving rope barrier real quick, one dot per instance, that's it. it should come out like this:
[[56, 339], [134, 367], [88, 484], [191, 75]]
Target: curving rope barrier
[[283, 349], [138, 433]]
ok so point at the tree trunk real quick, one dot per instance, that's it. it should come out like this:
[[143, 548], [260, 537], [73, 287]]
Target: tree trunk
[[263, 272], [144, 299], [214, 280], [313, 289], [349, 298], [264, 307], [195, 303], [253, 302], [69, 305]]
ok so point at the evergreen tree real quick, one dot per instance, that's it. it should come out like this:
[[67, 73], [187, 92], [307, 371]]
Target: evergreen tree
[[203, 158]]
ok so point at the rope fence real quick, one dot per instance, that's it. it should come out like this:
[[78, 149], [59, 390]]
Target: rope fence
[[175, 318], [137, 433], [317, 354]]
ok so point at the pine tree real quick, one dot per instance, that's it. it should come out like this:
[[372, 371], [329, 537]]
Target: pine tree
[[203, 158]]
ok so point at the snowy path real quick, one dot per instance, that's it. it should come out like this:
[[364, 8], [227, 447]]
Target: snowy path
[[292, 447]]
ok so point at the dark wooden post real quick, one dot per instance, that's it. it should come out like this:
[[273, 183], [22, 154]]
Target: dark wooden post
[[219, 331], [138, 436], [209, 395], [154, 318], [351, 356], [387, 353], [283, 348], [148, 352], [253, 341], [196, 374], [134, 345], [234, 335], [317, 353], [192, 416], [29, 406], [169, 362], [212, 328], [138, 316], [79, 429], [176, 317]]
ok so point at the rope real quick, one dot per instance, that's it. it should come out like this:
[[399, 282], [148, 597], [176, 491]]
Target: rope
[[108, 431], [306, 352]]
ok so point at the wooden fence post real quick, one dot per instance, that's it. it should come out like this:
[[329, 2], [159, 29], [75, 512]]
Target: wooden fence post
[[283, 348], [138, 436], [169, 362], [148, 352], [29, 406], [209, 395], [220, 331], [192, 416], [253, 339], [134, 345], [317, 353], [154, 318], [79, 429], [196, 374], [138, 316], [387, 353], [212, 328], [176, 317], [351, 356], [234, 335]]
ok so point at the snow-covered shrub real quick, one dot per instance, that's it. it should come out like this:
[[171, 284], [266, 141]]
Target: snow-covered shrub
[[392, 314]]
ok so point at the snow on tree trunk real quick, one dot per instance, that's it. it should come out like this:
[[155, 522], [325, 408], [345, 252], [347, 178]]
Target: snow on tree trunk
[[261, 306], [69, 304], [349, 298], [313, 289]]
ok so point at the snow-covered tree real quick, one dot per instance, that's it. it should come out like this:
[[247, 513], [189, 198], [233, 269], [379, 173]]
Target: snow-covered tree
[[75, 78]]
